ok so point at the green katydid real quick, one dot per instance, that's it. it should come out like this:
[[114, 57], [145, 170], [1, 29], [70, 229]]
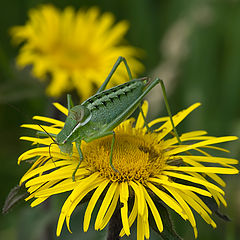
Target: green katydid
[[101, 113]]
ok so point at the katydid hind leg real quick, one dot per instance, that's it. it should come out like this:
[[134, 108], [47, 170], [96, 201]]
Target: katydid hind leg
[[130, 109], [115, 66], [149, 87], [169, 110], [78, 145]]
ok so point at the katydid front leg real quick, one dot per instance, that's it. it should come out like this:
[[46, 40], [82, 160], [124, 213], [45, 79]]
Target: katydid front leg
[[70, 102], [78, 145]]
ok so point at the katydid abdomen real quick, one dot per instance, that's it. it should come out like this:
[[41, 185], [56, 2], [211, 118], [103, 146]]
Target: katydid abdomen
[[109, 104]]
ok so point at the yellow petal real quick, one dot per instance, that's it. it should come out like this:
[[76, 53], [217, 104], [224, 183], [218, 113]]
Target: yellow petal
[[158, 120], [154, 211], [164, 182], [50, 130], [77, 192], [185, 148], [124, 209], [111, 208], [51, 153], [62, 173], [41, 199], [132, 216], [58, 82], [45, 141], [64, 186], [167, 127], [184, 206], [38, 201], [194, 180], [197, 207], [92, 203], [49, 120], [217, 148], [46, 167], [140, 227], [140, 197], [199, 201], [84, 192], [146, 223], [167, 200], [61, 108], [193, 134], [105, 204], [219, 170], [214, 176], [210, 159]]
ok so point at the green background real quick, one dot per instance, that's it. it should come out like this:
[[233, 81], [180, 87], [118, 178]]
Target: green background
[[197, 41]]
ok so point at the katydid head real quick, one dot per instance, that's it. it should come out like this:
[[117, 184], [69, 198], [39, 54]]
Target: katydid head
[[77, 116]]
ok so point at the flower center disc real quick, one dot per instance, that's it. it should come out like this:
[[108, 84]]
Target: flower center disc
[[134, 157]]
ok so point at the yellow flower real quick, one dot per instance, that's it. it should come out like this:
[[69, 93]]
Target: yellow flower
[[78, 49], [150, 165]]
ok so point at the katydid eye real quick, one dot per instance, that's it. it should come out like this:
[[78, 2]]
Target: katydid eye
[[80, 114]]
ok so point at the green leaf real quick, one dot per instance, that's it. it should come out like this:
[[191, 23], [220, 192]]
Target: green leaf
[[16, 195], [168, 232]]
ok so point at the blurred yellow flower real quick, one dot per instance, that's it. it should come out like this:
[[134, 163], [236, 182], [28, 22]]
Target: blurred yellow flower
[[77, 49], [151, 165]]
